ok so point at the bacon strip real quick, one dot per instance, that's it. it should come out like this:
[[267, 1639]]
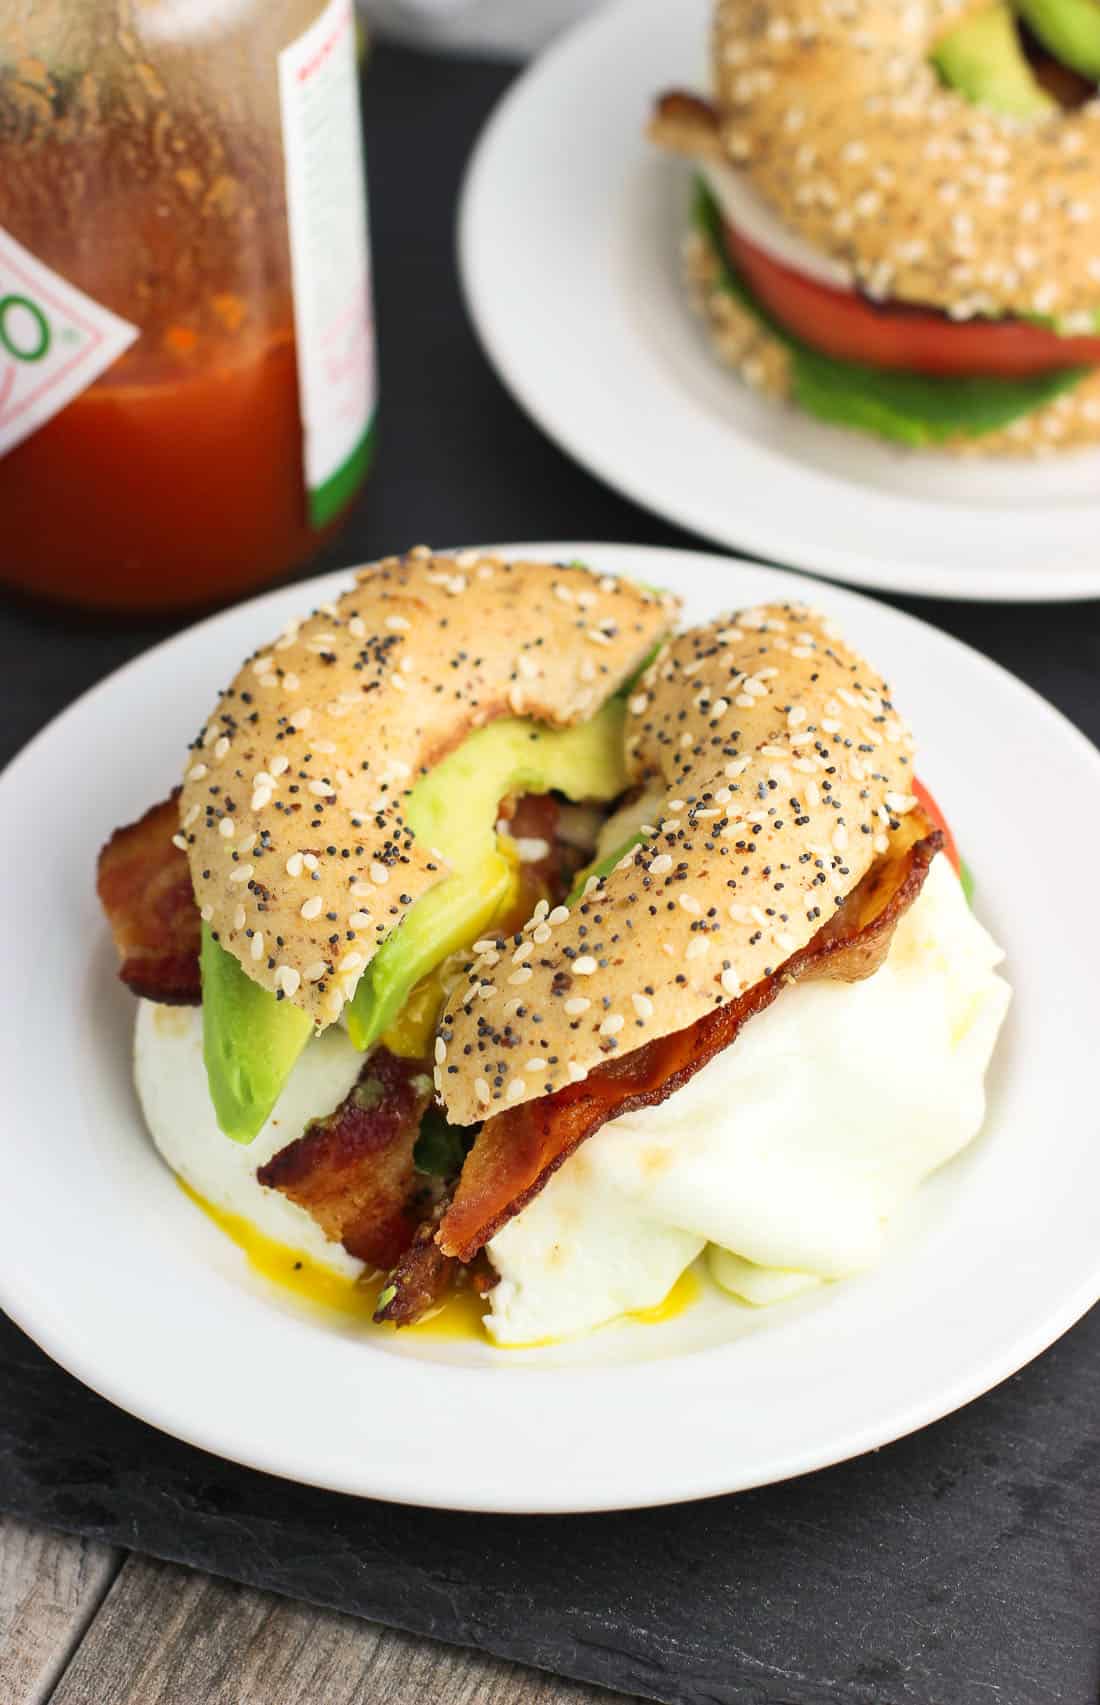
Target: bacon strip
[[353, 1170], [421, 1278], [144, 886], [518, 1150], [688, 125]]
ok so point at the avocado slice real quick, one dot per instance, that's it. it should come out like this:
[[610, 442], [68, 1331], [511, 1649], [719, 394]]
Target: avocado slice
[[250, 1041], [454, 809], [982, 59], [1069, 29]]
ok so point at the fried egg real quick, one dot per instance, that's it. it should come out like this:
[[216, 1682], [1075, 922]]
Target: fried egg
[[784, 1158], [787, 1154]]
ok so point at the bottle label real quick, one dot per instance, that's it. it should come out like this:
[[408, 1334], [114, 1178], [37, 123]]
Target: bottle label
[[54, 341], [329, 256]]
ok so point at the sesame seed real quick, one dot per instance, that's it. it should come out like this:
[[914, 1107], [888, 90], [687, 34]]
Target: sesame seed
[[294, 864], [312, 907], [261, 796], [558, 915], [359, 920], [731, 983], [313, 973], [516, 1089], [206, 912], [523, 975], [584, 966], [379, 874], [440, 1050], [696, 947], [287, 979], [180, 841], [577, 1072], [243, 873], [612, 1024], [482, 1090], [660, 864], [575, 1005], [239, 918], [690, 904], [227, 828], [257, 948]]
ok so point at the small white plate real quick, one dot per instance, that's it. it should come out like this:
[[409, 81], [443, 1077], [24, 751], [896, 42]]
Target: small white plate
[[113, 1271], [570, 236]]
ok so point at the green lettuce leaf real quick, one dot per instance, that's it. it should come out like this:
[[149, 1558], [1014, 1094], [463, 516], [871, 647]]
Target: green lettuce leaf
[[907, 408]]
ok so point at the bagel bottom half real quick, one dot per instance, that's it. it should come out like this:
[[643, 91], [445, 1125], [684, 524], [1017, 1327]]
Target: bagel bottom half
[[745, 343]]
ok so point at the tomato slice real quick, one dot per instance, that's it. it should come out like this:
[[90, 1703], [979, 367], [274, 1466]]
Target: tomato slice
[[932, 810], [916, 340]]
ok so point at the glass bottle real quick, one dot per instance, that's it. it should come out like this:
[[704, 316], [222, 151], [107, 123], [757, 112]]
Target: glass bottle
[[186, 338]]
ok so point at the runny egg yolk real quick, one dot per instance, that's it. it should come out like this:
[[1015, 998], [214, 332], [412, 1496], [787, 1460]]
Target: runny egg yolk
[[460, 1315]]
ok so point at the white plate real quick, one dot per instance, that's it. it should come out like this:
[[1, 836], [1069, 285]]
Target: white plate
[[570, 234], [109, 1267]]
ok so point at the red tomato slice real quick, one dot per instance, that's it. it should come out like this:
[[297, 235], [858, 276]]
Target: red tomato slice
[[917, 340], [932, 810]]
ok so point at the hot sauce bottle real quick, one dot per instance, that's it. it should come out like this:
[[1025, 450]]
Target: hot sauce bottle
[[187, 378]]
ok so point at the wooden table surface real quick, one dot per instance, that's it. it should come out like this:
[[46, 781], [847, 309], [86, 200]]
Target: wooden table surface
[[86, 1624]]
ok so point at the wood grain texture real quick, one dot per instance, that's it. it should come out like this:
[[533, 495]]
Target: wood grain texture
[[167, 1636], [51, 1585]]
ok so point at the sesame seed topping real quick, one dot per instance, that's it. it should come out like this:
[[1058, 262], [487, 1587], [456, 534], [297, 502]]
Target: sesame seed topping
[[584, 966]]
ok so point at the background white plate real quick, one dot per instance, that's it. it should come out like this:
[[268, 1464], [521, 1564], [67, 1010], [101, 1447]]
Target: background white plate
[[570, 233], [108, 1266]]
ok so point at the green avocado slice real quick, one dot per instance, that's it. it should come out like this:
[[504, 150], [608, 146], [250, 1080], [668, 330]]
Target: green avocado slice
[[1069, 29], [907, 408], [454, 809], [982, 59], [251, 1039]]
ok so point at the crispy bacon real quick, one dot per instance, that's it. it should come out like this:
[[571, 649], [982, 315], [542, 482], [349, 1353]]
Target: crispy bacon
[[518, 1150], [353, 1170], [687, 125], [144, 886], [421, 1278], [534, 817]]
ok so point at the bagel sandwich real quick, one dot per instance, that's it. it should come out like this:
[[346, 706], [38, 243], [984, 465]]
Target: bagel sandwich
[[702, 976], [893, 215]]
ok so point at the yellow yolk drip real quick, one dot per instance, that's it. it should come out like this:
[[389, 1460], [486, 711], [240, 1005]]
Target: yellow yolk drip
[[686, 1291], [461, 1315]]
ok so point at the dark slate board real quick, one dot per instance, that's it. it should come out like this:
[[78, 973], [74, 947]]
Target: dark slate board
[[959, 1567]]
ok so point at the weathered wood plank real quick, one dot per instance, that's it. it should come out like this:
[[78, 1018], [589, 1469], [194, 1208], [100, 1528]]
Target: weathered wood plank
[[51, 1585], [167, 1636]]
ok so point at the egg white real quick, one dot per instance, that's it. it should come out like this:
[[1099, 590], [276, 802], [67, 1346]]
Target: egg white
[[790, 1150], [786, 1155], [746, 209], [171, 1085]]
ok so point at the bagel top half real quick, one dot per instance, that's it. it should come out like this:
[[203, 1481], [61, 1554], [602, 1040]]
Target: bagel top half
[[779, 768], [291, 809], [837, 117]]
